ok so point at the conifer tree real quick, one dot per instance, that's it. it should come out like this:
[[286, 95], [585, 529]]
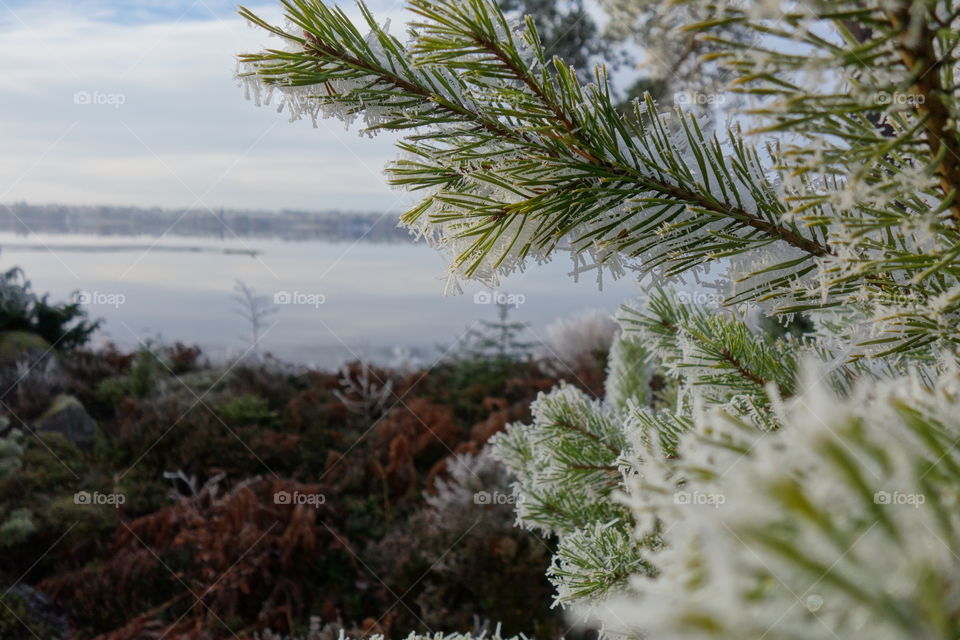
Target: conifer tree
[[498, 339], [800, 487]]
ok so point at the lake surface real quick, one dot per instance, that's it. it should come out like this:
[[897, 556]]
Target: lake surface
[[338, 300]]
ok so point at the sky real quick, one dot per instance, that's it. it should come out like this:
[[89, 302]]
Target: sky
[[134, 102]]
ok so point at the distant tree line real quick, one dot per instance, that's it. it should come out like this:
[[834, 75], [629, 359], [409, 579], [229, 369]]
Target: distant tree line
[[123, 221]]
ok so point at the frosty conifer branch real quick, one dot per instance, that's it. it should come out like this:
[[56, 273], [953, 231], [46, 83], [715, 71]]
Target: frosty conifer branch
[[515, 158], [523, 155], [707, 508], [711, 349], [813, 525]]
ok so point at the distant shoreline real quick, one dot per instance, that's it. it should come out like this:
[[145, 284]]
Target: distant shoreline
[[120, 248], [224, 224]]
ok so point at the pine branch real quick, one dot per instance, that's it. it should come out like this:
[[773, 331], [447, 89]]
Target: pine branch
[[528, 115], [576, 133], [580, 430], [712, 350], [847, 206]]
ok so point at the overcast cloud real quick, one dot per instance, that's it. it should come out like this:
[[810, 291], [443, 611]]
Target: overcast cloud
[[172, 128]]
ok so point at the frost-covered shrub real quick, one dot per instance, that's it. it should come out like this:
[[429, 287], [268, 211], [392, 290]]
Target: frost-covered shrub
[[318, 632], [472, 566], [364, 391], [581, 339], [15, 524], [32, 382], [578, 345]]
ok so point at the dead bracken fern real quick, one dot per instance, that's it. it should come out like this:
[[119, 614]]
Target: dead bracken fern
[[214, 558]]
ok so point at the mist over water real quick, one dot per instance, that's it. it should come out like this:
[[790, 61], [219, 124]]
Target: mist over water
[[335, 301]]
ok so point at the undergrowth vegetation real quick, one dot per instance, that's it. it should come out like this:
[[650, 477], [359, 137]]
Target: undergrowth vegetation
[[168, 522]]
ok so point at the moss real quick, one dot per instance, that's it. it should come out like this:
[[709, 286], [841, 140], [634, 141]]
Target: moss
[[18, 621], [15, 344], [16, 527], [60, 403], [85, 523], [50, 463]]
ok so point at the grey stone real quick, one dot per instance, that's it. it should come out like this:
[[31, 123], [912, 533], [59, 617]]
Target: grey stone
[[42, 611], [68, 417]]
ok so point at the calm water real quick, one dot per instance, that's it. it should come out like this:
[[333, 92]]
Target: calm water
[[375, 297]]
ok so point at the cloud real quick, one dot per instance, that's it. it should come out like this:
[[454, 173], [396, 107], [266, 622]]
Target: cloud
[[131, 11], [135, 103]]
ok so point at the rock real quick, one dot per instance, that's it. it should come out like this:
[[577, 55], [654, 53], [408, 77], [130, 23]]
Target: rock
[[32, 608], [20, 345], [67, 416]]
